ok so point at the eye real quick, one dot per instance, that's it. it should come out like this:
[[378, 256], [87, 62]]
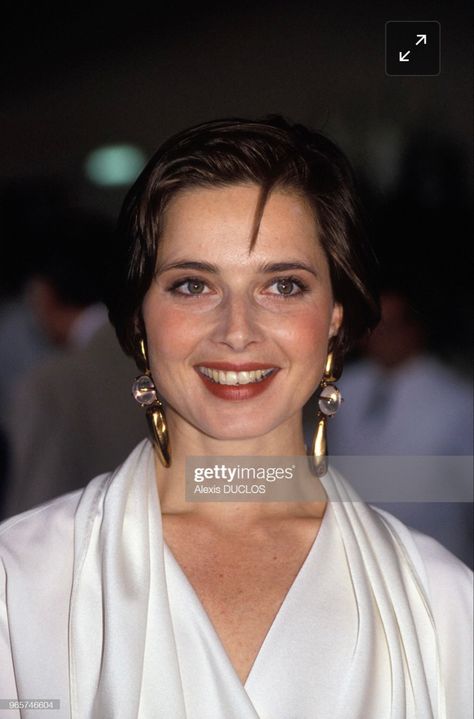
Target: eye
[[189, 286], [288, 287], [194, 287]]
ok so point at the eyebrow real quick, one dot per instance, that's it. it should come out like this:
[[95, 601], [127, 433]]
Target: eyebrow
[[267, 267], [188, 265]]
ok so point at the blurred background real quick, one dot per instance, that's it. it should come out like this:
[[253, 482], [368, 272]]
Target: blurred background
[[78, 82], [88, 94]]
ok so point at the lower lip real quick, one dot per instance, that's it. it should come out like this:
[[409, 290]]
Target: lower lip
[[237, 392]]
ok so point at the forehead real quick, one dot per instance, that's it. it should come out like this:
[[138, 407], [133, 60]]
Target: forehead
[[221, 220]]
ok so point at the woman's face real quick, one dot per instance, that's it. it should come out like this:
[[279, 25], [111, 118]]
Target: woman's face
[[237, 341]]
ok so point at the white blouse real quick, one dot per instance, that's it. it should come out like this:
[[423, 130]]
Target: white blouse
[[96, 613]]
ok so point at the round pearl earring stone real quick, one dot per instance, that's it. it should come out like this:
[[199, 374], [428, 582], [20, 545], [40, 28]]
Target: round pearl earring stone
[[330, 400], [144, 390]]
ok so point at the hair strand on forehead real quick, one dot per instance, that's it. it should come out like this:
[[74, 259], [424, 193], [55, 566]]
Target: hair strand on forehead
[[263, 196]]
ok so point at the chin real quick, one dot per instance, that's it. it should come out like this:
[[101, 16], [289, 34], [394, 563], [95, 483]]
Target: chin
[[233, 423], [238, 431]]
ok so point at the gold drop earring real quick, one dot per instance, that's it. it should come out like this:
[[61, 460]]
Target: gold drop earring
[[329, 401], [144, 392]]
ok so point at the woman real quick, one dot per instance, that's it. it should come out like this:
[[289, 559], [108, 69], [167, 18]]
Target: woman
[[241, 277]]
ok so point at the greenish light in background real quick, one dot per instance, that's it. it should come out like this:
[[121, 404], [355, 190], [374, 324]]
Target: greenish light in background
[[114, 164]]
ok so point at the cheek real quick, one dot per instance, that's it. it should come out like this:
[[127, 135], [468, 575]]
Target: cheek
[[171, 333], [306, 334]]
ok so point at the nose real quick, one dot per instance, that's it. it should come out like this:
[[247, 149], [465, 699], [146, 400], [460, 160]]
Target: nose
[[237, 325]]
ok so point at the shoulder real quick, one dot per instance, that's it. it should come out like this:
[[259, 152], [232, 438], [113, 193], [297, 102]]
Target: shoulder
[[441, 569], [50, 530], [43, 532], [37, 559], [448, 585], [36, 573], [36, 577], [450, 581], [44, 536]]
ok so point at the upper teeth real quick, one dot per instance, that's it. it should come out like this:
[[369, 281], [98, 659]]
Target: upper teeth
[[235, 378]]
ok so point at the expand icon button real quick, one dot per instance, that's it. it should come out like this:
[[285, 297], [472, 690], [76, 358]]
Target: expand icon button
[[412, 47]]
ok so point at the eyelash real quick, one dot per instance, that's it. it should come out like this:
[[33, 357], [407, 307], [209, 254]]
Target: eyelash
[[303, 287]]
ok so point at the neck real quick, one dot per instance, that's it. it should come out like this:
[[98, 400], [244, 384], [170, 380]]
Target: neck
[[186, 441]]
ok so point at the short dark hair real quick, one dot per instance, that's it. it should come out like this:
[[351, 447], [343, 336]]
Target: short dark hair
[[271, 153]]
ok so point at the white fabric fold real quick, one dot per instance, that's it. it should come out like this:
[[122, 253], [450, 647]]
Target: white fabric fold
[[123, 661], [390, 593], [131, 654]]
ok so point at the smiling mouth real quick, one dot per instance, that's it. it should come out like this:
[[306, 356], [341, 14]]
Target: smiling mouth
[[236, 378]]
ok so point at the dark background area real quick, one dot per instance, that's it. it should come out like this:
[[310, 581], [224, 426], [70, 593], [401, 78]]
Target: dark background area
[[75, 78]]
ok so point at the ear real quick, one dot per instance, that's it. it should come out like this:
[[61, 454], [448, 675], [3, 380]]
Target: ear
[[336, 319]]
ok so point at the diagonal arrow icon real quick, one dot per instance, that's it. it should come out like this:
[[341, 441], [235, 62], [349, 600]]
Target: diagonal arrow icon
[[412, 48]]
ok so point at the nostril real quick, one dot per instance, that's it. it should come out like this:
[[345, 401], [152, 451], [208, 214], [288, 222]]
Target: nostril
[[237, 326]]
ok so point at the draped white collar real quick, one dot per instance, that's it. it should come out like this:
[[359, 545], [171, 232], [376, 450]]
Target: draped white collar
[[124, 661]]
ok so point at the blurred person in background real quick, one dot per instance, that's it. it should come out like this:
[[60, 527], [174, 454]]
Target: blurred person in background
[[24, 207], [23, 344], [71, 416], [402, 400]]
